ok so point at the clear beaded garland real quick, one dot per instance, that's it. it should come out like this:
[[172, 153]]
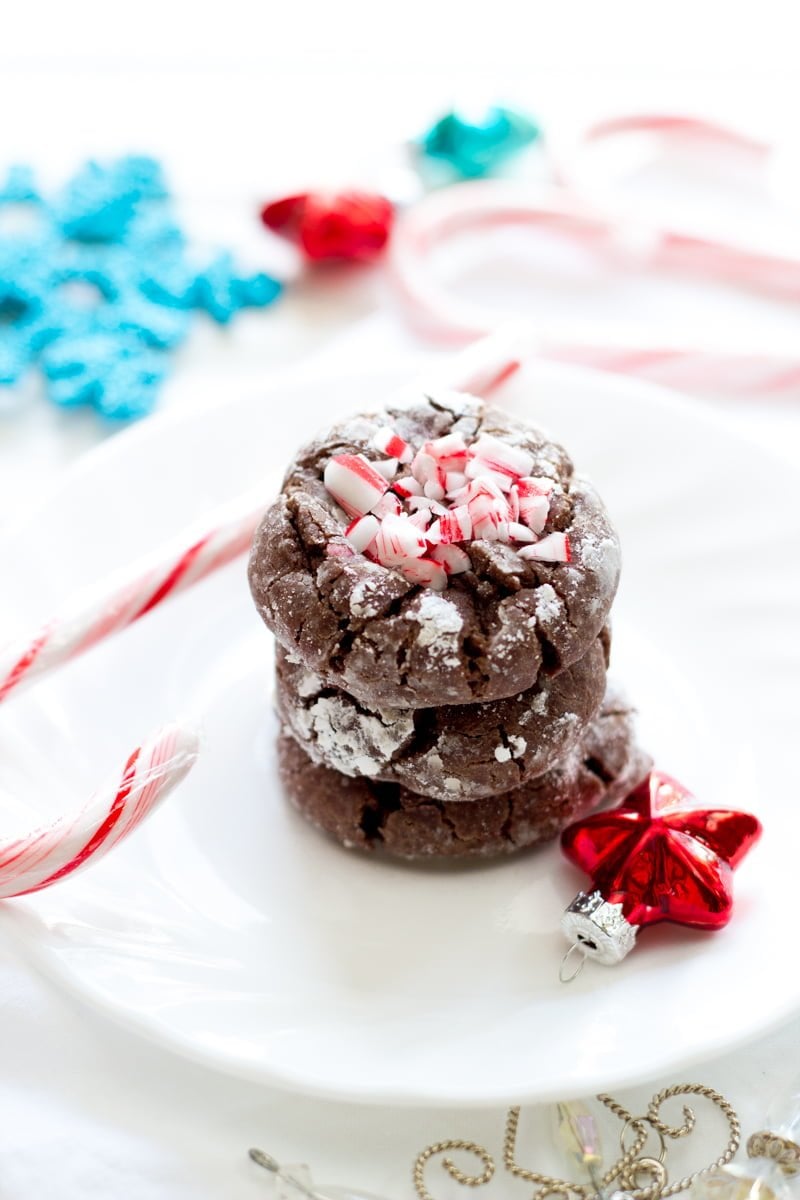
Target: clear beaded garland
[[759, 1179], [779, 1141]]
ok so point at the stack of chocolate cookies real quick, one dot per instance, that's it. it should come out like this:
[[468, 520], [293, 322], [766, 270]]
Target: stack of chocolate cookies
[[439, 581]]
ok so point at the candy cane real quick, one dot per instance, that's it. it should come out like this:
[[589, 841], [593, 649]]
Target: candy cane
[[573, 169], [53, 852], [476, 207], [116, 605]]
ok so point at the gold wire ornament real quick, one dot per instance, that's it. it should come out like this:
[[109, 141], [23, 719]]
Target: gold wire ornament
[[449, 1166], [641, 1176]]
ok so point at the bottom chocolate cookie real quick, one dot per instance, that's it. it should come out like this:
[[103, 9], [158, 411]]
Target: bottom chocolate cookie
[[361, 812]]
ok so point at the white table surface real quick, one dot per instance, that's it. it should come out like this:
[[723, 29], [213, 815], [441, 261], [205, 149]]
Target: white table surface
[[87, 1110]]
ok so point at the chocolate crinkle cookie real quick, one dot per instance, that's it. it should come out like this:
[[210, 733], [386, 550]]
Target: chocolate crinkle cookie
[[451, 752], [438, 553], [372, 815]]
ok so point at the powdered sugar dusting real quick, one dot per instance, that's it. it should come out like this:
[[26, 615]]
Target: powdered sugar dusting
[[440, 622], [308, 684], [516, 748], [548, 604], [363, 599], [353, 742]]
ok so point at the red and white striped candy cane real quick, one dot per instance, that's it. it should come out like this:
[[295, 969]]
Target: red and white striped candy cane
[[118, 604], [52, 852], [573, 169], [476, 207]]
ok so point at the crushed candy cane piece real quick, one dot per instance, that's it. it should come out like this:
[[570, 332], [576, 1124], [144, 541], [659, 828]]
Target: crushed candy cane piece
[[354, 483], [387, 506], [489, 530], [501, 457], [434, 534], [407, 486], [417, 502], [433, 490], [454, 560], [451, 451], [478, 469], [361, 532], [398, 540], [387, 467], [390, 443], [427, 572], [534, 502], [489, 513], [536, 485], [454, 481], [534, 511], [520, 533], [487, 487], [421, 518], [456, 524], [553, 548], [424, 466]]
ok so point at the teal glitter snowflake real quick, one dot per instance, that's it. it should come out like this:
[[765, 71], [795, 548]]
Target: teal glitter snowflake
[[98, 283]]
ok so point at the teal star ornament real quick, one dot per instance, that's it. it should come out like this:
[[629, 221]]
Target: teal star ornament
[[473, 149]]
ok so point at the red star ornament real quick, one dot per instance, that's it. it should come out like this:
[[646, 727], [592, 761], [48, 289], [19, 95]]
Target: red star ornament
[[348, 226], [658, 857]]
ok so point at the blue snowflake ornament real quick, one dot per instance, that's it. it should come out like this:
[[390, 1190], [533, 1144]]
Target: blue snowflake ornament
[[19, 186], [100, 201], [119, 379], [99, 285]]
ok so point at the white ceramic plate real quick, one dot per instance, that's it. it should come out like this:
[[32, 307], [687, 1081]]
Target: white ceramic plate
[[231, 931]]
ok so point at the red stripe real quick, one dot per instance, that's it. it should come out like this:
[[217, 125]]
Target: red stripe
[[173, 579], [508, 370], [675, 123], [362, 470], [395, 447], [22, 667], [21, 847], [102, 833]]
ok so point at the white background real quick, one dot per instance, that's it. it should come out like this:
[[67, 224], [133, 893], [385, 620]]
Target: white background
[[242, 100]]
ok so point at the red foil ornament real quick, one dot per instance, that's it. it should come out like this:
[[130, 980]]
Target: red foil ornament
[[658, 857], [345, 226]]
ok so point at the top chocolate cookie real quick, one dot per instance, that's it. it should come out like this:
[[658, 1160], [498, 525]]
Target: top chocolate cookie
[[479, 565]]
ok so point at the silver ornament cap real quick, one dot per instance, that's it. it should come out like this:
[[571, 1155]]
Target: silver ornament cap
[[598, 929]]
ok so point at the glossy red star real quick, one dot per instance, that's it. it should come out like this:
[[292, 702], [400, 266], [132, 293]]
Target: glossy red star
[[341, 226], [661, 857]]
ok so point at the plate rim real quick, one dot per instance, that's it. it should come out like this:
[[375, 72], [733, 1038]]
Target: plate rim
[[142, 1025]]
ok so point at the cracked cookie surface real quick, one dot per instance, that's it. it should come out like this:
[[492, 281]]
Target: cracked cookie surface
[[364, 628], [451, 752], [371, 815]]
